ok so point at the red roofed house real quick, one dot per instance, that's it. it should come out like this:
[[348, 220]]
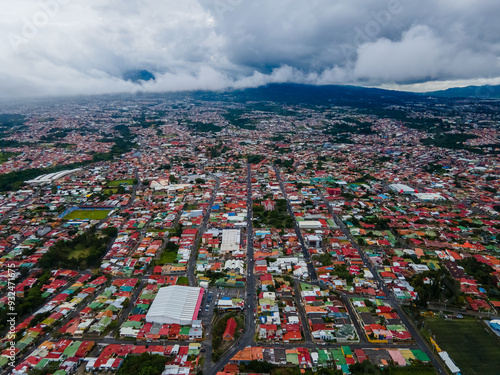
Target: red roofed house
[[230, 328]]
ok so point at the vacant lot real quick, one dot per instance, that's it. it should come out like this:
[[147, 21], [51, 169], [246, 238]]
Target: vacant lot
[[475, 350], [183, 281], [167, 257], [87, 214]]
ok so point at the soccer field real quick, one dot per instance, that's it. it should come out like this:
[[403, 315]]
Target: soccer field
[[475, 350], [87, 214]]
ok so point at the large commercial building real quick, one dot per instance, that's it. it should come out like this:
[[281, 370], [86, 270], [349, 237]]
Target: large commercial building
[[401, 188], [230, 241], [175, 305], [51, 177]]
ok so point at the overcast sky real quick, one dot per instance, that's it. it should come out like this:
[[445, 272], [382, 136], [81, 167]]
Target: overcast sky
[[61, 47]]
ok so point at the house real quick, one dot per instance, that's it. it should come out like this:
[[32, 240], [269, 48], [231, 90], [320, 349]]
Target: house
[[230, 329], [292, 336]]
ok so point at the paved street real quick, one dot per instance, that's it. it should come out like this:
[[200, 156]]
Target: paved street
[[194, 252], [247, 338], [307, 256]]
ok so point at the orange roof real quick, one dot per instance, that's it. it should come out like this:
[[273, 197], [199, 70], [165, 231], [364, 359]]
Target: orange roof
[[104, 313], [318, 309]]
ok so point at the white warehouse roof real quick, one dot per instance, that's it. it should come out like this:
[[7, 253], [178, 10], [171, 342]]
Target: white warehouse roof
[[230, 240], [309, 224], [175, 305], [48, 178], [400, 188]]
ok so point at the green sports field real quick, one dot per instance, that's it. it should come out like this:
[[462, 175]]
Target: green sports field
[[473, 348], [87, 214]]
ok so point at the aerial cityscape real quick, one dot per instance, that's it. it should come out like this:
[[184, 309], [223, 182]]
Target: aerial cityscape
[[276, 221]]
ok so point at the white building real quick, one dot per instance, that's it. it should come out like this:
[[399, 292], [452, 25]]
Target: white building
[[309, 224], [175, 304], [230, 241], [430, 197], [403, 189]]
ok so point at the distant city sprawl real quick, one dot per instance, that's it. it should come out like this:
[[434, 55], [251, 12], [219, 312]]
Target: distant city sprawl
[[281, 230]]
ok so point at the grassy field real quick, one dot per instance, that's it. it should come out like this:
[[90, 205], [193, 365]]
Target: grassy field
[[474, 349], [182, 281], [87, 214], [80, 251], [120, 182], [167, 257]]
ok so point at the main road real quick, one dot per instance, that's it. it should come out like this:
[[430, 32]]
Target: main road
[[206, 218], [247, 338], [305, 251]]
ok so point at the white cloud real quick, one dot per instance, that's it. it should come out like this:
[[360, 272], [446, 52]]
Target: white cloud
[[61, 47], [420, 55]]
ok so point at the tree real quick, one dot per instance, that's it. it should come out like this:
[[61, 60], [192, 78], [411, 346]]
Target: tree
[[480, 271], [145, 364], [364, 368], [342, 272], [324, 259], [259, 367], [110, 232]]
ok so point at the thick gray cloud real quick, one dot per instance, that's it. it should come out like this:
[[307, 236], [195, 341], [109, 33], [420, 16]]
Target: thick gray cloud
[[61, 47]]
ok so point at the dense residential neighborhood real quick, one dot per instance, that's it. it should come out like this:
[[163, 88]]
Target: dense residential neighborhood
[[228, 237]]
